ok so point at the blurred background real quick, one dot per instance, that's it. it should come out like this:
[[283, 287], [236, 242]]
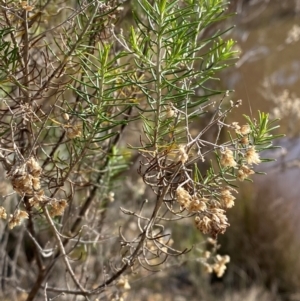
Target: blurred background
[[263, 241]]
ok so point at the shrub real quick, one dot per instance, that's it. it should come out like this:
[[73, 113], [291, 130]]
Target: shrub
[[82, 99]]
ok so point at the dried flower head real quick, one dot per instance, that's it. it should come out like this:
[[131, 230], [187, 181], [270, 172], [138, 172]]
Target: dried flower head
[[182, 154], [57, 207], [3, 213], [36, 184], [183, 197], [73, 131], [244, 140], [244, 130], [227, 159], [243, 172], [170, 112], [197, 205], [235, 125], [219, 216], [17, 218], [111, 196], [220, 266], [293, 35], [215, 224], [238, 103], [25, 177], [27, 112], [203, 224], [252, 157], [33, 167], [124, 283], [37, 198], [226, 198]]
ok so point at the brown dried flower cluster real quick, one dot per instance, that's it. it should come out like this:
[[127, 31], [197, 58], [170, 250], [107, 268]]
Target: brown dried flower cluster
[[211, 217], [170, 112], [197, 205], [210, 209], [190, 203], [227, 199], [213, 222], [17, 218], [37, 198], [57, 207], [25, 177], [252, 157], [293, 35], [182, 154], [227, 158], [123, 283], [178, 155], [183, 197], [3, 213], [244, 140], [241, 130], [219, 266], [243, 172], [73, 131]]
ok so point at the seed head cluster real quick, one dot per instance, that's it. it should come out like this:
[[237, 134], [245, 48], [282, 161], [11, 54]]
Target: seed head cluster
[[73, 131], [57, 207], [17, 218], [252, 156], [209, 207], [182, 154], [210, 212], [243, 130], [227, 158], [244, 140], [26, 181], [3, 214], [243, 172], [170, 111], [213, 222], [219, 265], [227, 199], [247, 155], [25, 177], [123, 283]]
